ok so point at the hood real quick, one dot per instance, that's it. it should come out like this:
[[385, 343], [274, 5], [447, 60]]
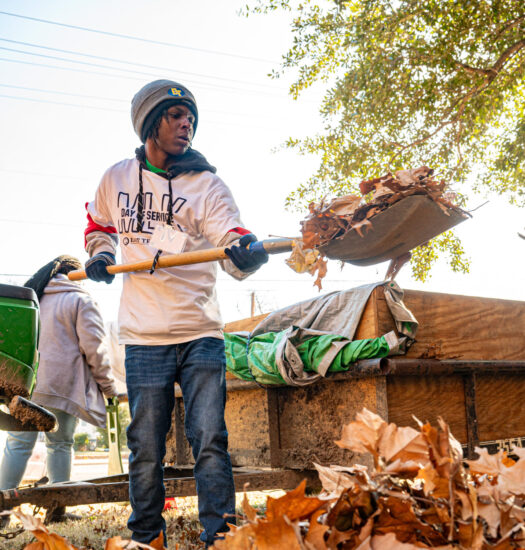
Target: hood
[[60, 283]]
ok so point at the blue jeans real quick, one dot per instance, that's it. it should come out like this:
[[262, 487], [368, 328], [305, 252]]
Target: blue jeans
[[199, 367], [19, 446]]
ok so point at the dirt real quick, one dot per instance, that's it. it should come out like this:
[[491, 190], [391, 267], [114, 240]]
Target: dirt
[[32, 415], [8, 388]]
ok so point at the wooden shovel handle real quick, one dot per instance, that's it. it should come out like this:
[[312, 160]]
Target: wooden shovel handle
[[272, 246]]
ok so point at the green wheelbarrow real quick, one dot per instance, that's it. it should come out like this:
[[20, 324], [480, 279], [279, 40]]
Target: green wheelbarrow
[[19, 332]]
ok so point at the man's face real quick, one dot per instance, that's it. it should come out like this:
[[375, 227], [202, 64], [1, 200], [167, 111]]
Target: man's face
[[176, 130]]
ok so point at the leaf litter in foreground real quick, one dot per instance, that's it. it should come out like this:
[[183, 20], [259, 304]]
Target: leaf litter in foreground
[[420, 493]]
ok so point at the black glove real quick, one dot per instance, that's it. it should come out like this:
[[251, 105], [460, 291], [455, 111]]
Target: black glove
[[96, 267], [244, 258]]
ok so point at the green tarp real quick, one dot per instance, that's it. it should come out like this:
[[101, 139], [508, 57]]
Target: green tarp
[[259, 362]]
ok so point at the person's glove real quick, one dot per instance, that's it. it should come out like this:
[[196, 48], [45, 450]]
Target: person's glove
[[245, 259], [96, 267]]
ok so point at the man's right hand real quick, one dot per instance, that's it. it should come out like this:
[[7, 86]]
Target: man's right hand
[[96, 267]]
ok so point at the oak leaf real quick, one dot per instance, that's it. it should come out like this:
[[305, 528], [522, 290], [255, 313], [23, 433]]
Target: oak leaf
[[294, 504], [47, 540], [316, 532]]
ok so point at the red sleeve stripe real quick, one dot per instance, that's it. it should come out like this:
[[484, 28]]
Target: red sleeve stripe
[[239, 230], [92, 226]]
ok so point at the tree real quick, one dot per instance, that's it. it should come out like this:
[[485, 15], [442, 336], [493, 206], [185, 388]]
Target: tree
[[410, 83]]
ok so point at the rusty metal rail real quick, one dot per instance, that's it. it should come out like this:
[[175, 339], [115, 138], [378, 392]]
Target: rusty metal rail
[[179, 482]]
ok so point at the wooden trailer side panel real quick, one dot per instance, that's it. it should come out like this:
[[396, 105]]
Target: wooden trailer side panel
[[466, 327], [291, 427], [427, 398]]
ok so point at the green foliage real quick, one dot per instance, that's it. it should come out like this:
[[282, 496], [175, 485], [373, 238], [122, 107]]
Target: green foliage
[[409, 83], [81, 441]]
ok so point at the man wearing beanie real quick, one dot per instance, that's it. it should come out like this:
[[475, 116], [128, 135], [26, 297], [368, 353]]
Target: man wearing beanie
[[169, 318]]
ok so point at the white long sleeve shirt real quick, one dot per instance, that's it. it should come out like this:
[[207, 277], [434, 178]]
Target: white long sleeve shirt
[[177, 304]]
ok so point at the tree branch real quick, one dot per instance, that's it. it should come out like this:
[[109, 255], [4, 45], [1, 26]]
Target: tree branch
[[509, 25], [493, 71], [490, 75]]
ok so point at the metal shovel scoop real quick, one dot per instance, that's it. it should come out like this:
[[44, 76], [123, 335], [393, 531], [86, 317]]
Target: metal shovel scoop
[[406, 224]]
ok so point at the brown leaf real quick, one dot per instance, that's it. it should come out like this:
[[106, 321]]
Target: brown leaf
[[434, 484], [363, 434], [362, 227], [278, 533], [398, 516], [470, 535], [343, 206], [316, 532], [333, 481], [322, 267], [240, 538], [390, 542], [158, 543], [512, 480], [404, 444], [301, 259], [50, 541], [118, 543], [294, 504], [249, 511], [35, 546]]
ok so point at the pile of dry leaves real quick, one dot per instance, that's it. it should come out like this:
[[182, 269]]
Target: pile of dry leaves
[[46, 540], [329, 220], [420, 493]]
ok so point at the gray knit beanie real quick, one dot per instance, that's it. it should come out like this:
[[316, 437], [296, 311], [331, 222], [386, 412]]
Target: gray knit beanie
[[151, 100]]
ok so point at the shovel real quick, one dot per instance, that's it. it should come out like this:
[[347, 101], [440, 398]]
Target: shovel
[[408, 223]]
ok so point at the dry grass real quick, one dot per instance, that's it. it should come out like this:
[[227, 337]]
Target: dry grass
[[102, 521]]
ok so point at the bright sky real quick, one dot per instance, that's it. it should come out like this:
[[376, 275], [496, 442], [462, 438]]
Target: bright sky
[[64, 122]]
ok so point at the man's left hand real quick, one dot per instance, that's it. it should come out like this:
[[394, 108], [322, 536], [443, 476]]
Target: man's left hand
[[245, 259]]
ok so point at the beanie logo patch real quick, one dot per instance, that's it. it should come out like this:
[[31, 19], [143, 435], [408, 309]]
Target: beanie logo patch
[[176, 92]]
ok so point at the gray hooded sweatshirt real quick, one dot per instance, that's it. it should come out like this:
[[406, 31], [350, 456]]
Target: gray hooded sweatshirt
[[74, 372]]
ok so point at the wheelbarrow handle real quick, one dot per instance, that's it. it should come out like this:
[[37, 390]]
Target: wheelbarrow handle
[[272, 246]]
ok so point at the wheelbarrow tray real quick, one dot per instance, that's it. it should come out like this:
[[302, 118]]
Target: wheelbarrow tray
[[408, 223]]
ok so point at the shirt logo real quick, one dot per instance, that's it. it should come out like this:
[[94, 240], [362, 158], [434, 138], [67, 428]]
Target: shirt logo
[[176, 92]]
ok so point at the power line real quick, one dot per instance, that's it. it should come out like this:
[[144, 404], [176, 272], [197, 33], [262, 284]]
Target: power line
[[126, 101], [40, 174], [68, 69], [61, 92], [33, 222], [108, 109], [204, 84], [61, 103], [136, 38], [135, 64]]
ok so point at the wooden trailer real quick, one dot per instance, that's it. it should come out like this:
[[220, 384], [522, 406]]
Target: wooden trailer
[[467, 366]]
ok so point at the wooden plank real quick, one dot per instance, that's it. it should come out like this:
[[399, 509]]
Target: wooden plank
[[248, 427], [427, 398], [500, 399], [245, 324], [368, 325], [311, 419], [465, 327]]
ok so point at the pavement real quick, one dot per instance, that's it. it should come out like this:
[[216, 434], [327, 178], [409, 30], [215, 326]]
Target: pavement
[[92, 466]]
